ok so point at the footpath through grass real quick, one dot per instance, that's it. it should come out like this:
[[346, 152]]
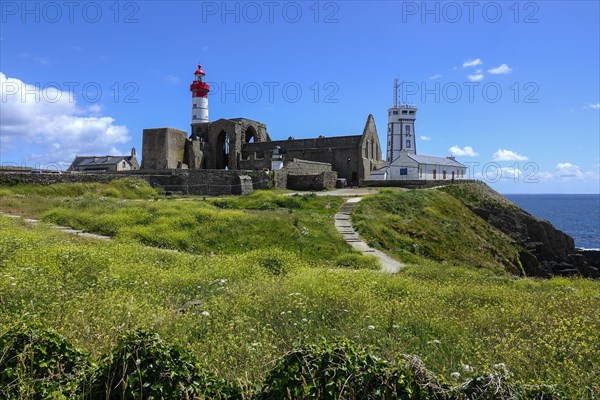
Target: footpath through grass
[[245, 311]]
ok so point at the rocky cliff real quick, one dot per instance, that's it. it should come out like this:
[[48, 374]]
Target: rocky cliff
[[544, 250]]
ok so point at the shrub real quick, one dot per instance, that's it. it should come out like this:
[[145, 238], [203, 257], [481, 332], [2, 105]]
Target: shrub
[[143, 366], [39, 363], [338, 371]]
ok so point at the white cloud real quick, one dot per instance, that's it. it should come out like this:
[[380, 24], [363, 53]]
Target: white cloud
[[425, 138], [472, 63], [50, 124], [596, 106], [475, 77], [568, 170], [466, 151], [501, 70], [508, 155], [436, 76]]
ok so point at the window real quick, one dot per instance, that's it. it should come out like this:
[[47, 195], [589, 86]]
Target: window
[[443, 174], [195, 116], [434, 174], [195, 105], [412, 112], [407, 129], [403, 171], [395, 112], [408, 144], [404, 112]]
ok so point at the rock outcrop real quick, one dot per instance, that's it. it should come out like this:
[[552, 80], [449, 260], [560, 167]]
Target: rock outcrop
[[545, 250]]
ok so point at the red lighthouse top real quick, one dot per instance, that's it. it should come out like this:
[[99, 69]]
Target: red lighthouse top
[[198, 87], [199, 71]]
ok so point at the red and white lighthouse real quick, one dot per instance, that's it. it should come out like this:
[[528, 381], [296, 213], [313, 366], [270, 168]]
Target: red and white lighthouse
[[199, 89]]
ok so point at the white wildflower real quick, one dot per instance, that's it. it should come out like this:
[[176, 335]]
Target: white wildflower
[[455, 375], [205, 313], [370, 327]]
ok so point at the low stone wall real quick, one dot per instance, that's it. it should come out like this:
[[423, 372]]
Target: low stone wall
[[322, 181], [413, 184], [11, 178], [197, 182], [305, 167]]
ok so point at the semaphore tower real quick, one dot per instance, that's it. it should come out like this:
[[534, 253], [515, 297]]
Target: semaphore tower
[[401, 128]]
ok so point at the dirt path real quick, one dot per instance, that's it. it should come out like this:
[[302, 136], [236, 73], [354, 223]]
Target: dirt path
[[65, 229], [343, 224]]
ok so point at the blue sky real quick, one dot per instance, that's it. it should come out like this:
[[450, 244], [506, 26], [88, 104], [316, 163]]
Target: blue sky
[[512, 88]]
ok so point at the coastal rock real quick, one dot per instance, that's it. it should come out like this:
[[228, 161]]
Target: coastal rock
[[547, 250]]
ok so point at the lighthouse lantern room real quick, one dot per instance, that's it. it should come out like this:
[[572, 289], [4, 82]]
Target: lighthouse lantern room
[[199, 89]]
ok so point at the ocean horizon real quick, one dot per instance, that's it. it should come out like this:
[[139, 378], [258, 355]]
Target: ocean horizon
[[578, 215]]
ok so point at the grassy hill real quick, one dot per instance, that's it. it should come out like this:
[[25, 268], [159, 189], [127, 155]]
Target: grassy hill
[[419, 225], [265, 297]]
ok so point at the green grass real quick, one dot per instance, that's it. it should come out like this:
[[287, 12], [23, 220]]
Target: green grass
[[267, 273], [200, 227], [420, 225], [251, 308], [125, 188]]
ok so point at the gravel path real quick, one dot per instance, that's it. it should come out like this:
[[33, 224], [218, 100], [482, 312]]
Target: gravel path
[[343, 224]]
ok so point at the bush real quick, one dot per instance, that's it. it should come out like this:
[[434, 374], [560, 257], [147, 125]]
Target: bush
[[39, 363], [143, 366], [338, 371]]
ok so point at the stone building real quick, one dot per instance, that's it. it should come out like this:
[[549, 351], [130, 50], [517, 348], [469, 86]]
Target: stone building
[[244, 144], [352, 157], [105, 163]]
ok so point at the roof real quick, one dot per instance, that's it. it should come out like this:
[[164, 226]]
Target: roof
[[88, 161], [199, 70], [435, 160]]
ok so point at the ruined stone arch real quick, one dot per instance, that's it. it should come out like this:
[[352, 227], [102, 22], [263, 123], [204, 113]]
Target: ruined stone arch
[[222, 153], [250, 135]]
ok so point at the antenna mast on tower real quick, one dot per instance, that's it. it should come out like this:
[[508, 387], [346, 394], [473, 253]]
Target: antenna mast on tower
[[395, 103]]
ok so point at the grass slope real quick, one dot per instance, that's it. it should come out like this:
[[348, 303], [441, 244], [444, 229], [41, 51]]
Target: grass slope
[[252, 308], [418, 225]]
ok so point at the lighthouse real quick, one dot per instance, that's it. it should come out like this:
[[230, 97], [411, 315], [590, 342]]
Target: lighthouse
[[199, 89], [401, 128]]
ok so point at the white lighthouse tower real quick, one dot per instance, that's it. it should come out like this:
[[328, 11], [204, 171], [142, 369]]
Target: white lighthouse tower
[[401, 128], [199, 89]]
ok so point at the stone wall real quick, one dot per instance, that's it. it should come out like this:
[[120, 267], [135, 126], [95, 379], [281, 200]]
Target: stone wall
[[322, 181], [8, 178], [163, 148], [343, 153], [195, 182], [279, 179], [305, 167]]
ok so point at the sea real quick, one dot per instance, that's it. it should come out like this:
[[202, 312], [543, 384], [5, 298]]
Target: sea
[[578, 215]]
